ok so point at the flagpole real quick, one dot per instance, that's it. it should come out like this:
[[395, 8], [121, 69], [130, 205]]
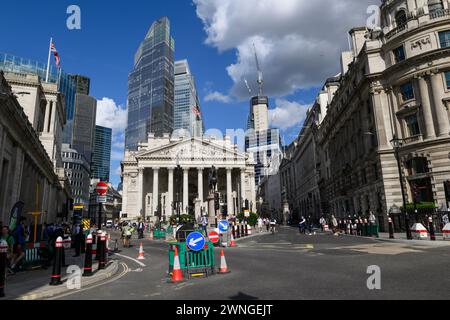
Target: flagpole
[[48, 61]]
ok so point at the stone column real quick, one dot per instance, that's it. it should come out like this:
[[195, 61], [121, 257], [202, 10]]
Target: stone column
[[200, 185], [185, 189], [155, 191], [230, 207], [252, 201], [140, 199], [441, 112], [426, 109], [125, 193], [243, 188], [169, 211]]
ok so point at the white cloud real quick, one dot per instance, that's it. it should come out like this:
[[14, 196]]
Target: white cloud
[[217, 96], [298, 41], [110, 115], [287, 114]]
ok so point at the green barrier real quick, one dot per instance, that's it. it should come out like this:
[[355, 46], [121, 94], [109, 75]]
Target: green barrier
[[34, 257], [189, 259], [159, 234]]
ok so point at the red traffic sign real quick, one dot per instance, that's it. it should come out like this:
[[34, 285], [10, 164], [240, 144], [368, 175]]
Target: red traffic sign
[[213, 237], [101, 188]]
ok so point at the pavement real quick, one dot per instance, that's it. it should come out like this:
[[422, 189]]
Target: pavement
[[34, 284], [285, 266]]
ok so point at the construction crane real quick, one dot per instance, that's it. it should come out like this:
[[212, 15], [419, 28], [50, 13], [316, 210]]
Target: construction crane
[[248, 87], [260, 74]]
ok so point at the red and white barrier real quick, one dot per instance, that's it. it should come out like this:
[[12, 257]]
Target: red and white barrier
[[446, 231], [419, 232]]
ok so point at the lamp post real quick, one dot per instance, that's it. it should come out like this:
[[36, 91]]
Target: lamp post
[[397, 144]]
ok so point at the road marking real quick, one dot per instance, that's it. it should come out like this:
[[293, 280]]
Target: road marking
[[132, 259], [123, 273]]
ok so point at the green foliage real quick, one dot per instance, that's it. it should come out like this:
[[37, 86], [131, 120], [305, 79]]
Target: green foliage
[[252, 220], [185, 218], [421, 205]]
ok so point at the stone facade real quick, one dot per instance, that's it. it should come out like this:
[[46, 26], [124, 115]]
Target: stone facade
[[26, 168], [152, 184]]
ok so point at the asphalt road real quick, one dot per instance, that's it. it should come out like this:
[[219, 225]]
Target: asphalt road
[[287, 266]]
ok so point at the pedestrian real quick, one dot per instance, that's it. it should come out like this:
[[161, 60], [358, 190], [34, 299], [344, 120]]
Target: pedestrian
[[205, 221], [20, 236], [373, 224], [302, 225], [445, 219], [126, 235], [266, 222], [9, 239], [260, 224], [322, 222], [140, 229]]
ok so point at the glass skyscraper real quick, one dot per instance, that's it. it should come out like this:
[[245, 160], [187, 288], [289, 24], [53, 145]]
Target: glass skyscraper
[[66, 84], [151, 86], [101, 157], [186, 99]]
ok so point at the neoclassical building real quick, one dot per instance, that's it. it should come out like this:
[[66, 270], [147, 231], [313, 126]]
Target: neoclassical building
[[394, 84], [167, 173]]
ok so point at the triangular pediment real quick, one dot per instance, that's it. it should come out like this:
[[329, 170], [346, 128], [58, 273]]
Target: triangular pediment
[[191, 149]]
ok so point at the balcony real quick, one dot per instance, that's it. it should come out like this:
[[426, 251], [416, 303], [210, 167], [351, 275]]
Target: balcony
[[414, 139], [439, 14]]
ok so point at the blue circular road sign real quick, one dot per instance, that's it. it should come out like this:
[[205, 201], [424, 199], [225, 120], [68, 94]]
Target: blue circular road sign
[[223, 225], [195, 241]]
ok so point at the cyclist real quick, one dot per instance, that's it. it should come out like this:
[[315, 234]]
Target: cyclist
[[273, 224]]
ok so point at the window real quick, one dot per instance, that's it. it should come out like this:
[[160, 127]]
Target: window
[[447, 79], [407, 91], [413, 125], [399, 54], [444, 38], [400, 19]]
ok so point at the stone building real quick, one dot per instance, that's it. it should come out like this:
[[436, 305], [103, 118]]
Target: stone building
[[395, 83], [168, 173], [27, 161]]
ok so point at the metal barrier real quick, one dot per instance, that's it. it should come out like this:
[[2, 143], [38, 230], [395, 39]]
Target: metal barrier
[[35, 255], [202, 261]]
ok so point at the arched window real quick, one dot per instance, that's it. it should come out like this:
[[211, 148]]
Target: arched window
[[436, 8], [400, 18]]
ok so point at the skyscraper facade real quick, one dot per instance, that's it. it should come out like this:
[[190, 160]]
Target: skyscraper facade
[[151, 86], [66, 84], [84, 118], [187, 112], [101, 158]]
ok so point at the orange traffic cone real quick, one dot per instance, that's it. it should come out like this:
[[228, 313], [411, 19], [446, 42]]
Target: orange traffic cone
[[141, 253], [177, 275], [223, 263], [232, 242]]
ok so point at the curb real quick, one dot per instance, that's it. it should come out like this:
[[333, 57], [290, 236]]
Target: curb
[[400, 240], [85, 282]]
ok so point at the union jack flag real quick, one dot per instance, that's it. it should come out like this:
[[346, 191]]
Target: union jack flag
[[197, 112], [56, 55]]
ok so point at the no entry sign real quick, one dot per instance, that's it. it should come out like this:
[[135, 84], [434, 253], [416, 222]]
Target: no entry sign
[[213, 237], [101, 188]]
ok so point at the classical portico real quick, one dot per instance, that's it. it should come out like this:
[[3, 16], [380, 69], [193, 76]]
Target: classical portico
[[170, 175]]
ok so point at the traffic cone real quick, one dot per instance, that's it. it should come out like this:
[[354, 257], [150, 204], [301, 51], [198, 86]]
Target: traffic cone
[[223, 263], [141, 253], [232, 242], [177, 275]]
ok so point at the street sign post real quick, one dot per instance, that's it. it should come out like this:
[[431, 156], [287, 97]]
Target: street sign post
[[195, 241], [101, 199], [223, 226], [213, 237], [102, 189]]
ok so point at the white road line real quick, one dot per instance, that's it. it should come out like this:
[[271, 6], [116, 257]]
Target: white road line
[[132, 259]]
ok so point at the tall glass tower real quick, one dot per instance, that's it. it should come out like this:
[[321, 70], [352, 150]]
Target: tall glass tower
[[101, 157], [186, 100], [151, 86]]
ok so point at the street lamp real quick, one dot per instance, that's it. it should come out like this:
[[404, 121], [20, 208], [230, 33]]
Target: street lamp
[[397, 144]]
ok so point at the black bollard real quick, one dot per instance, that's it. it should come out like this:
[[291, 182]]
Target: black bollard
[[391, 228], [432, 231], [246, 229], [3, 254], [101, 243], [83, 243], [233, 232], [238, 233], [366, 228], [56, 274], [87, 271], [242, 230]]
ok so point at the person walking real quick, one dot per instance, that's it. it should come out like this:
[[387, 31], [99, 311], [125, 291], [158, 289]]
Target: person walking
[[302, 225], [140, 229], [76, 236], [260, 224], [266, 222], [334, 224], [373, 224], [9, 239], [322, 222], [204, 222]]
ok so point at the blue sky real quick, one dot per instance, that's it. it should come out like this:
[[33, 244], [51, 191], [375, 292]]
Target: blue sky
[[219, 56]]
